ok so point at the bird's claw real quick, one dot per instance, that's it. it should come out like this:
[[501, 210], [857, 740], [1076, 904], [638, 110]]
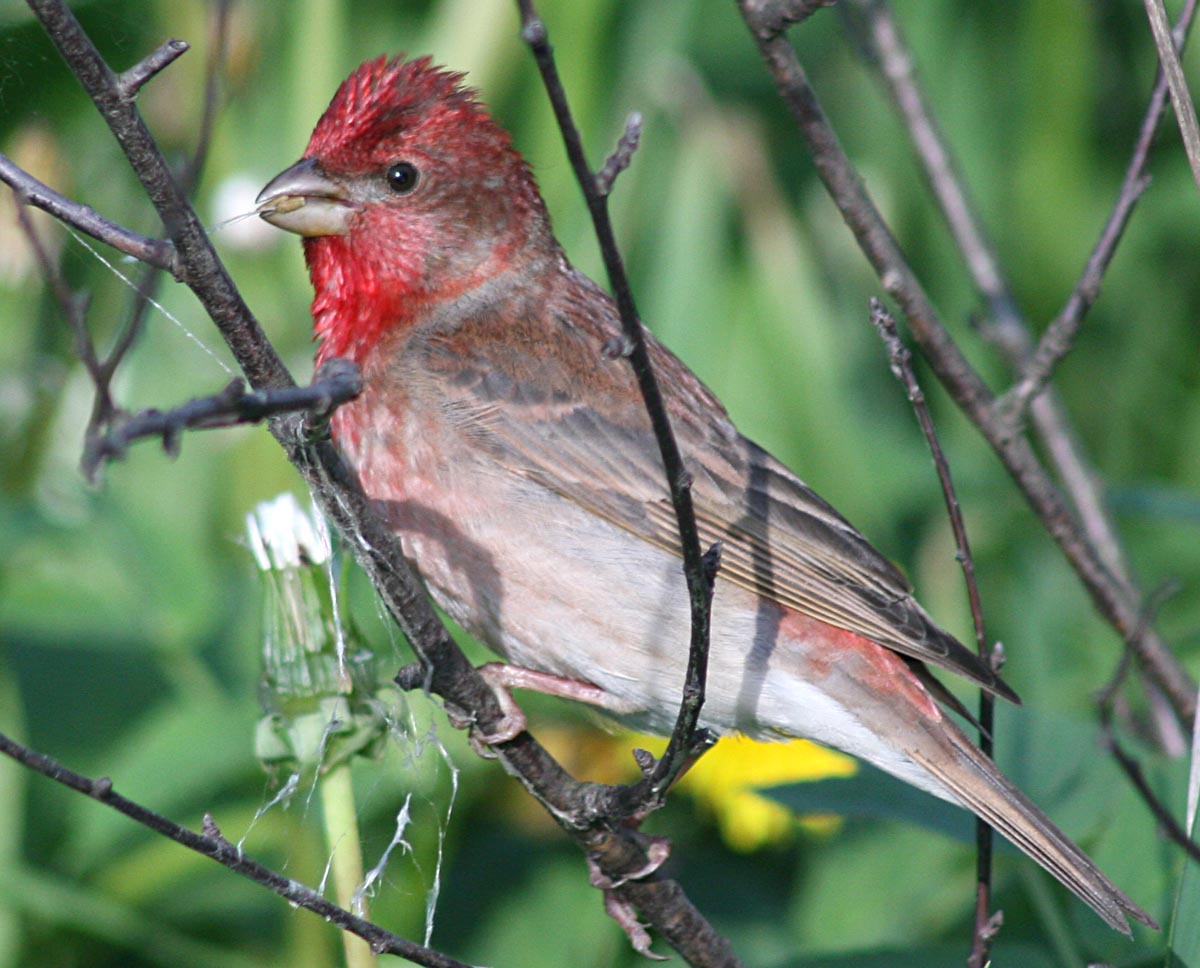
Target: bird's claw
[[623, 913], [657, 849], [510, 723]]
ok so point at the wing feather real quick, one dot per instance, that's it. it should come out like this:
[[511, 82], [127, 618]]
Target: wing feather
[[590, 441]]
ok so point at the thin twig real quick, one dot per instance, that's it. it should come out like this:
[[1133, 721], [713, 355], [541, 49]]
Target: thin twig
[[961, 380], [131, 81], [686, 740], [885, 42], [153, 252], [334, 384], [619, 160], [72, 305], [1059, 336], [211, 844], [1181, 98], [1106, 702], [900, 358], [146, 289]]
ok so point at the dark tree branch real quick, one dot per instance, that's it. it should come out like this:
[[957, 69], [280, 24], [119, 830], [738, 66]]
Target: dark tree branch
[[884, 40], [1111, 595], [986, 925], [335, 383], [130, 82], [211, 844], [153, 252], [686, 741], [582, 809]]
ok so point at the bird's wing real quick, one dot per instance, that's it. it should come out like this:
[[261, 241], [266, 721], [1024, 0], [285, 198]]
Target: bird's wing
[[560, 412]]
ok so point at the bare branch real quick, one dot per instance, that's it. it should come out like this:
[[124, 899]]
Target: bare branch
[[132, 80], [1007, 327], [153, 252], [335, 383], [986, 925], [211, 844], [1059, 337], [1109, 592], [620, 159], [686, 741], [200, 267], [1181, 98]]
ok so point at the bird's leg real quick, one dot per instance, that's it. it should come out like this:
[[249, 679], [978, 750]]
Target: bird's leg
[[503, 676]]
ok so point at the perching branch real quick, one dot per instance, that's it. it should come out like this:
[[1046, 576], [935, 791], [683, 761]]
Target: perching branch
[[580, 808], [211, 844], [686, 741]]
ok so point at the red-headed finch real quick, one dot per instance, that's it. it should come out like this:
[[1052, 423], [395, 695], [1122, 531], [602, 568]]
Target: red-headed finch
[[514, 457]]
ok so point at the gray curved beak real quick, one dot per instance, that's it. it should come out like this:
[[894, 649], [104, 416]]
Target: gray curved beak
[[305, 200]]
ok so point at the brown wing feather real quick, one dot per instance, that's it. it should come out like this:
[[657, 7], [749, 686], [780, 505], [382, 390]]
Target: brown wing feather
[[780, 539]]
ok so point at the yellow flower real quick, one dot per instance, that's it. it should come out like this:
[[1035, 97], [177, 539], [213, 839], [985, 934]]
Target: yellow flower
[[727, 778]]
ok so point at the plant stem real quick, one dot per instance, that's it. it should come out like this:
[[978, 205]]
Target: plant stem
[[342, 841]]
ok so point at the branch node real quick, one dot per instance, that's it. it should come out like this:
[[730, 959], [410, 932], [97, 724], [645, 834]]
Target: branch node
[[770, 18], [645, 761], [101, 788], [533, 32], [132, 80], [208, 827], [621, 157], [617, 347], [410, 677]]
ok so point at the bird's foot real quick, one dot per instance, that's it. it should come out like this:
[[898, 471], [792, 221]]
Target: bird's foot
[[623, 913], [656, 849]]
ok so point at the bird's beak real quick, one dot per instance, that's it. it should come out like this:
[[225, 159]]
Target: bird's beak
[[306, 201]]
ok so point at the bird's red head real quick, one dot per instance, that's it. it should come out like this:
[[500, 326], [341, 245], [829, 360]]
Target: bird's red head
[[409, 195]]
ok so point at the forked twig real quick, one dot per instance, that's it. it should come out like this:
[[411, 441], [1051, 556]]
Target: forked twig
[[986, 924]]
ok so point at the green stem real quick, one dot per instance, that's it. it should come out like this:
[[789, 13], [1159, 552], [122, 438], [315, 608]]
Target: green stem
[[341, 836]]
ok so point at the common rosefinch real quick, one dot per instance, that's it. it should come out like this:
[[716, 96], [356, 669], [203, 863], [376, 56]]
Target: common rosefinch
[[512, 453]]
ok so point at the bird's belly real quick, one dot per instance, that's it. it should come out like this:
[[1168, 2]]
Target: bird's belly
[[550, 586]]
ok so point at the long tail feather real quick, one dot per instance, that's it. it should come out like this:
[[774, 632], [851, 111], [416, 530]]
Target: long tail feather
[[975, 781]]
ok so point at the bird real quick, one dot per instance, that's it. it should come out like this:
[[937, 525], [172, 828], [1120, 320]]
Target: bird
[[506, 443]]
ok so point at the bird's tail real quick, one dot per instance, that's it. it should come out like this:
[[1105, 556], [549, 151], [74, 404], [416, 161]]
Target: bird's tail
[[973, 780]]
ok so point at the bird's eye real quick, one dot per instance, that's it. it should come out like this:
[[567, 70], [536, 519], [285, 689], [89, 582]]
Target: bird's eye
[[402, 177]]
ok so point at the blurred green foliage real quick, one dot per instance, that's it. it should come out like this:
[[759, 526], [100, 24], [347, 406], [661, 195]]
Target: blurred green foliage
[[130, 624]]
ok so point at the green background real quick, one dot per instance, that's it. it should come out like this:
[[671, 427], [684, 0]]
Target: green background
[[130, 612]]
